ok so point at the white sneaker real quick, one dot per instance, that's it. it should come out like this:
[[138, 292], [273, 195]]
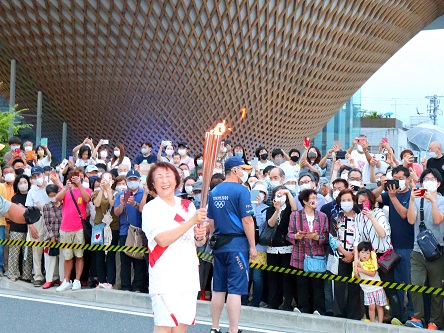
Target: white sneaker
[[296, 310], [76, 285], [316, 313], [64, 286]]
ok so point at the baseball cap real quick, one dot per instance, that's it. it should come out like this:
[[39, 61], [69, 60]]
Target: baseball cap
[[290, 178], [91, 168], [261, 187], [236, 161], [36, 170], [197, 186], [183, 143], [323, 181], [133, 174]]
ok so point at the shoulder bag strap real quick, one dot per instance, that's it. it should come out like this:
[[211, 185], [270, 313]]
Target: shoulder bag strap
[[422, 225], [75, 204]]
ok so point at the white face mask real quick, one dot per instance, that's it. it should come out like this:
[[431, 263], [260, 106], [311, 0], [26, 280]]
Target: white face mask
[[23, 187], [103, 154], [360, 149], [117, 153], [282, 199], [355, 183], [123, 173], [120, 188], [224, 150], [189, 189], [402, 185], [14, 148], [133, 185], [262, 195], [186, 173], [432, 154], [335, 194], [182, 152], [244, 176], [305, 187], [96, 189], [217, 171], [169, 152], [346, 206], [291, 187], [275, 183], [200, 178], [38, 181], [52, 199], [9, 177], [99, 174], [344, 176], [28, 148], [389, 175], [199, 162], [430, 185]]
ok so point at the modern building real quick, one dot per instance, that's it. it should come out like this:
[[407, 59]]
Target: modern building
[[135, 70]]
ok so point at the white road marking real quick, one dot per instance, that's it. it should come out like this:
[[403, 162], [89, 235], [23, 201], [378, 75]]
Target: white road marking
[[134, 313]]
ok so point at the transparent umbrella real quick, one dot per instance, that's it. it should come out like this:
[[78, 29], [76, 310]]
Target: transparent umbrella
[[423, 134]]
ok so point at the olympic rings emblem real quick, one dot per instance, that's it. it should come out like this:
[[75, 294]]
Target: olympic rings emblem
[[219, 204]]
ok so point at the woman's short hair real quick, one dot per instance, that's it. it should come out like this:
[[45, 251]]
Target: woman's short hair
[[433, 171], [405, 151], [161, 165], [343, 192], [118, 179], [304, 195], [370, 196], [17, 180]]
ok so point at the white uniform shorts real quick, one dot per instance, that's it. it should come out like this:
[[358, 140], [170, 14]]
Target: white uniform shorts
[[172, 309]]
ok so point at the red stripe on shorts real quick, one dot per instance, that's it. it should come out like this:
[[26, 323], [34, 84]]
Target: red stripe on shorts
[[174, 319]]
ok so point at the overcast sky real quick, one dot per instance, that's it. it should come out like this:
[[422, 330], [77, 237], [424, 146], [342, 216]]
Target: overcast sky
[[401, 84]]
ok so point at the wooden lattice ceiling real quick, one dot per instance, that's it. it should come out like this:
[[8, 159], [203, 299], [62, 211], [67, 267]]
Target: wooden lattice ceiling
[[133, 70]]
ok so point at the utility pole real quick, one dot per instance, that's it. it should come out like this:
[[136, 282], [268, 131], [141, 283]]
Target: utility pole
[[433, 109]]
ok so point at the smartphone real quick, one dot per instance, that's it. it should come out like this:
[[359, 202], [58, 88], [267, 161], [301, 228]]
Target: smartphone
[[354, 188], [127, 195], [410, 165], [422, 192], [44, 141], [380, 157], [71, 159], [29, 155], [105, 141], [344, 162], [391, 182], [307, 141], [254, 162], [338, 144], [371, 186], [167, 143], [17, 151], [415, 159], [253, 196], [340, 155], [385, 140], [53, 174], [63, 164], [366, 205]]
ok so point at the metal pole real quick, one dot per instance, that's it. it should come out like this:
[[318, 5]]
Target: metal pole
[[38, 128], [12, 91], [64, 139]]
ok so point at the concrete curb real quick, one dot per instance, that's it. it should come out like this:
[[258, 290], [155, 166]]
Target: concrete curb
[[279, 320]]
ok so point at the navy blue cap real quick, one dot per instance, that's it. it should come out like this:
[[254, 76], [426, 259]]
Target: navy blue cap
[[133, 174], [36, 170], [183, 143], [236, 161]]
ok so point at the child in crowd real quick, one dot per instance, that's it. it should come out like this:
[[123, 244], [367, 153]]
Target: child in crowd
[[367, 269]]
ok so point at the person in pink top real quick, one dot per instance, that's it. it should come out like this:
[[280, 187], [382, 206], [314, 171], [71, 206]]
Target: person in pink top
[[71, 229]]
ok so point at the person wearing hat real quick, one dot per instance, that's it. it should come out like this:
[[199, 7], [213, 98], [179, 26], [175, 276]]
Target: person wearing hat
[[230, 218], [126, 207], [324, 189], [37, 197], [183, 152], [197, 189]]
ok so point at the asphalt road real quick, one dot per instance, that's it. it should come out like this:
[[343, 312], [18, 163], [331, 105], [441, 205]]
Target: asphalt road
[[34, 314]]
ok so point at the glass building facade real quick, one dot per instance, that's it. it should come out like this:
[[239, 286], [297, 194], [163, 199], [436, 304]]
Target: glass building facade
[[344, 126]]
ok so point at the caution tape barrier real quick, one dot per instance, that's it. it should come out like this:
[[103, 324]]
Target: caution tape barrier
[[209, 257]]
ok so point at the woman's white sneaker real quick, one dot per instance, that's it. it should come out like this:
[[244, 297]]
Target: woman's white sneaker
[[64, 286], [76, 285]]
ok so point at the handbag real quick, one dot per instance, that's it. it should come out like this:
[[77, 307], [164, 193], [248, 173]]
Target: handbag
[[429, 246], [134, 239], [98, 234], [389, 260], [87, 228], [313, 264], [266, 236], [333, 263]]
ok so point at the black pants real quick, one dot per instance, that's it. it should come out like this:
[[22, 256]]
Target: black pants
[[139, 266], [310, 294], [347, 296], [280, 285], [106, 263], [392, 295]]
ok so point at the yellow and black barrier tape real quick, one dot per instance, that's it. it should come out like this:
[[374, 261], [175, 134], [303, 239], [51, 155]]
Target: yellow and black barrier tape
[[209, 257]]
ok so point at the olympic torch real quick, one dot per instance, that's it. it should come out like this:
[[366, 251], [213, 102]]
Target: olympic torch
[[213, 139]]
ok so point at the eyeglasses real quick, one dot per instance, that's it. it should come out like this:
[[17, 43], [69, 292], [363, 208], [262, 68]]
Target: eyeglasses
[[432, 179], [305, 182], [355, 179]]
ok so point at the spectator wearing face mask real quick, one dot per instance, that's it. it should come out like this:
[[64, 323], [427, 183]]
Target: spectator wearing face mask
[[324, 189], [119, 158], [21, 167], [183, 152], [145, 155], [291, 167], [187, 191], [15, 144], [37, 197], [436, 161], [100, 153], [291, 183], [218, 169], [198, 164], [310, 160], [223, 153], [277, 178], [9, 177], [240, 152], [185, 170], [308, 181], [279, 157], [43, 156], [262, 154], [408, 161], [122, 170], [84, 157], [169, 152], [361, 156]]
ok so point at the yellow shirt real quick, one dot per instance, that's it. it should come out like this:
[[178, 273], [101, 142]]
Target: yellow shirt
[[3, 193], [9, 191]]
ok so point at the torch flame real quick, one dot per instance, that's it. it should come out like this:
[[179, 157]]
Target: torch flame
[[220, 129], [243, 113]]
